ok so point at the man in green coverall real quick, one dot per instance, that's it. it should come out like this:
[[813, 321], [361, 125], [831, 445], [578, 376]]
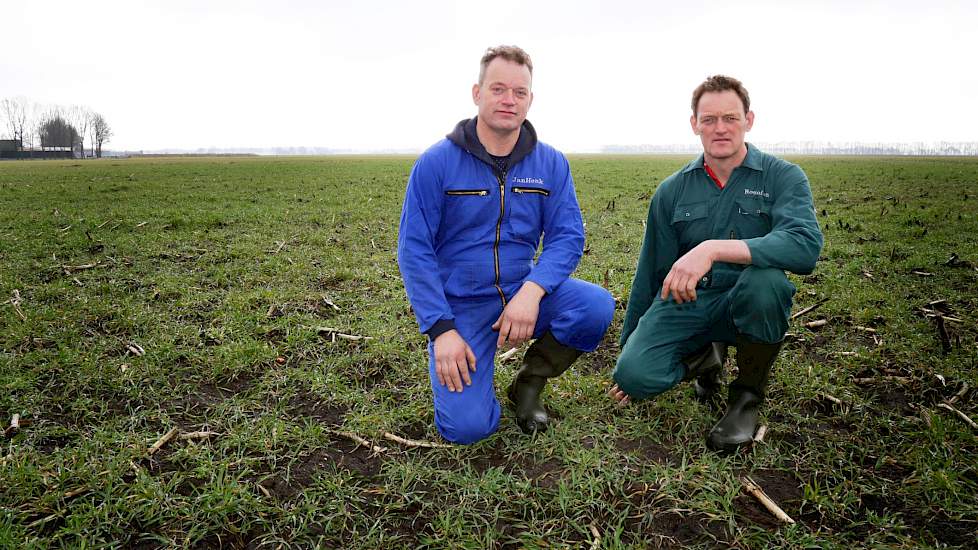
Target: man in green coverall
[[721, 233]]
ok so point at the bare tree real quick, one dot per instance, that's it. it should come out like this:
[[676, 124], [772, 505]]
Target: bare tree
[[100, 132], [81, 118], [15, 111]]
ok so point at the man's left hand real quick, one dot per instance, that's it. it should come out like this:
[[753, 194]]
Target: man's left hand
[[519, 317]]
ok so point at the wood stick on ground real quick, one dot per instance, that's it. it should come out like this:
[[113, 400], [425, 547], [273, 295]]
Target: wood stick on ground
[[14, 425], [103, 224], [361, 441], [963, 416], [833, 399], [755, 491], [264, 490], [136, 349], [414, 442], [507, 354], [873, 380], [163, 440], [75, 492], [960, 394], [197, 435], [281, 245], [15, 302], [818, 323], [141, 224], [42, 521], [596, 543], [69, 269], [942, 334], [333, 334], [330, 303], [759, 436], [810, 308]]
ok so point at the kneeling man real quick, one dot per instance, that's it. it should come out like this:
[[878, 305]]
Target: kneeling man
[[476, 206], [721, 233]]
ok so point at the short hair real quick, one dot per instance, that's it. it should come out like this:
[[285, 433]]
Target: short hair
[[514, 54], [720, 83]]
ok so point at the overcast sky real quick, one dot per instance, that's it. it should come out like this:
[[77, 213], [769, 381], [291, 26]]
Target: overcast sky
[[389, 74]]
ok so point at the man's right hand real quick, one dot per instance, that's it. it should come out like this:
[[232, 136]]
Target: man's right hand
[[453, 360]]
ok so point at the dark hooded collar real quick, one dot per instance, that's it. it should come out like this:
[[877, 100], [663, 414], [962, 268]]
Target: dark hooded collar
[[465, 136]]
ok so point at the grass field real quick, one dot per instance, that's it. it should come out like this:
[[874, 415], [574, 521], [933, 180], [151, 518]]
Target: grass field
[[226, 295]]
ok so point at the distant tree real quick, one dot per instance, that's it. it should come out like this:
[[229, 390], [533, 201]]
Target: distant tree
[[15, 113], [56, 131], [100, 132], [81, 118]]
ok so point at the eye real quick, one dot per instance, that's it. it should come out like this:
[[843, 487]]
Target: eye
[[498, 90], [708, 120], [730, 118], [522, 94]]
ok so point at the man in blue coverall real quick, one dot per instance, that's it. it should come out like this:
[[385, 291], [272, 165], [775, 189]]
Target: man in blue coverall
[[476, 206], [719, 236]]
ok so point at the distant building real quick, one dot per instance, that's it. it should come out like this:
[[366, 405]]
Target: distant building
[[14, 149]]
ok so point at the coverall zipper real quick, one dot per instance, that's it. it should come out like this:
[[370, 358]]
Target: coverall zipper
[[501, 178], [537, 190]]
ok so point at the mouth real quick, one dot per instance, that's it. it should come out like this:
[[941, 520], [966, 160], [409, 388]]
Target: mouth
[[506, 113]]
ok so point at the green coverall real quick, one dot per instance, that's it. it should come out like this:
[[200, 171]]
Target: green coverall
[[767, 203]]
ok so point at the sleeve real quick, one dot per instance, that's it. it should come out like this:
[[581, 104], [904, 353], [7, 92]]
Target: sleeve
[[420, 218], [660, 249], [795, 240], [563, 232]]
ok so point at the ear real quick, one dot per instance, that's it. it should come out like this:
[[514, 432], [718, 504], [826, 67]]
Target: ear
[[750, 120], [475, 94], [692, 124], [530, 103]]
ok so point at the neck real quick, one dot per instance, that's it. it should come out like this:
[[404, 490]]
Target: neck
[[496, 143], [725, 166]]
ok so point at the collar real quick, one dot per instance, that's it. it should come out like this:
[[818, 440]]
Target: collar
[[464, 135], [752, 161]]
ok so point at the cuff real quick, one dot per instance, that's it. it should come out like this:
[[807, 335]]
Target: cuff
[[440, 327]]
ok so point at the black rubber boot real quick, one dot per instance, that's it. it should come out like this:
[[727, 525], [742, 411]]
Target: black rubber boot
[[706, 366], [545, 358], [744, 396]]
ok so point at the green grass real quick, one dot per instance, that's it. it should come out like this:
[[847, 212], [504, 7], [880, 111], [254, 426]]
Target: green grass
[[190, 266]]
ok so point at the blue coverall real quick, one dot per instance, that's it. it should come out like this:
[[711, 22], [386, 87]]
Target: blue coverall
[[466, 244]]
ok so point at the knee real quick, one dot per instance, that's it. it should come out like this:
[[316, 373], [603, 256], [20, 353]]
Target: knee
[[642, 378], [763, 289], [595, 312], [468, 425]]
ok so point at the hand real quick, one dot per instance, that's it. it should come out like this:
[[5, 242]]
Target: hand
[[453, 360], [519, 317], [619, 397], [686, 273]]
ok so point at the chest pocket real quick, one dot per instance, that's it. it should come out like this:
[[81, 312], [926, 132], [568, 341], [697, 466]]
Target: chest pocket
[[468, 205], [525, 204], [752, 219], [692, 224]]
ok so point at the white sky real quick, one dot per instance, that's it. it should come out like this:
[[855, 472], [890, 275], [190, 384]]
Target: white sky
[[386, 74]]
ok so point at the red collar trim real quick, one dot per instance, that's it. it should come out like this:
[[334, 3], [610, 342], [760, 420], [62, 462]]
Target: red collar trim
[[713, 176]]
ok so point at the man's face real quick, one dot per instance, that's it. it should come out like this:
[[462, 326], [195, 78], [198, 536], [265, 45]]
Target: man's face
[[721, 123], [504, 97]]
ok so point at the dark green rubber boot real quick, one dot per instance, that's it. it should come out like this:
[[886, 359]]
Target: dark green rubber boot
[[705, 366], [744, 396], [545, 358]]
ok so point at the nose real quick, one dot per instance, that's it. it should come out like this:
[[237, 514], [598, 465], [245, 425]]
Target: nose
[[509, 96]]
